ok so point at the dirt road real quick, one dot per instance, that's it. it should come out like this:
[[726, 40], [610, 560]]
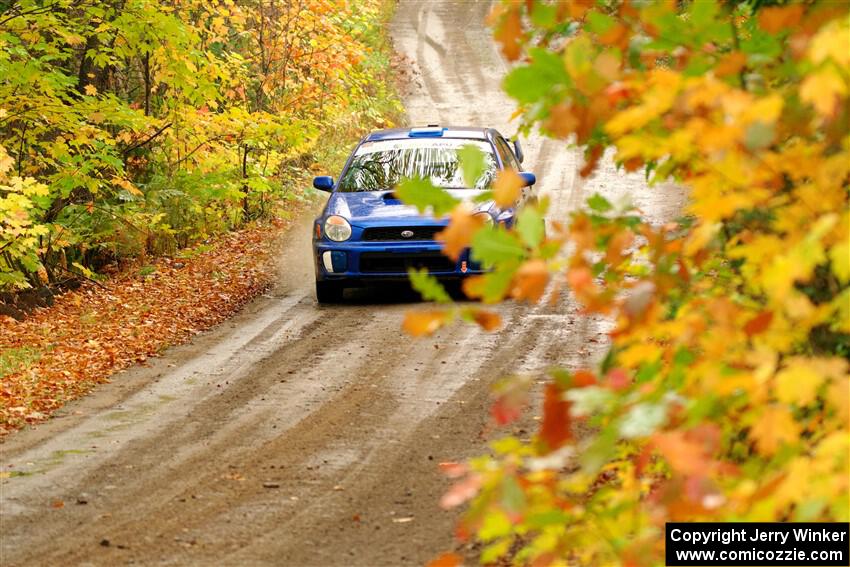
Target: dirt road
[[296, 434]]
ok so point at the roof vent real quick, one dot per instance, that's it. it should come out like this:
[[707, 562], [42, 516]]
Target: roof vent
[[429, 132]]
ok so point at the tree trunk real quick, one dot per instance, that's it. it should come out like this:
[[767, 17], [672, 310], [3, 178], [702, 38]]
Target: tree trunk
[[147, 73], [86, 64], [245, 209]]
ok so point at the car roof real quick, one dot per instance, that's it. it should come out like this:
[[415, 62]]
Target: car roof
[[447, 132]]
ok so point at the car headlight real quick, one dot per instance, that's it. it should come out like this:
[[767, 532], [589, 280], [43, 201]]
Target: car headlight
[[337, 228], [486, 217]]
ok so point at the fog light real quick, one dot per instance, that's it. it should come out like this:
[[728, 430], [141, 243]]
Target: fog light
[[339, 260], [335, 261]]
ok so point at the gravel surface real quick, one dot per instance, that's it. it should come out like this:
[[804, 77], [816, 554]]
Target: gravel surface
[[296, 434]]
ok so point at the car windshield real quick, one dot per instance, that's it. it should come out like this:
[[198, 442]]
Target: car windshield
[[380, 165]]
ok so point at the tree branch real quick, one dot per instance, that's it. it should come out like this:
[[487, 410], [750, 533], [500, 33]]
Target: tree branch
[[147, 140]]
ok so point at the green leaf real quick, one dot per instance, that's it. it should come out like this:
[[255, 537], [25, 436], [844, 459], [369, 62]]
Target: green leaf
[[598, 203], [532, 82], [549, 517], [496, 524], [492, 245], [513, 498], [672, 30], [599, 452], [530, 226], [761, 46], [428, 286], [472, 162], [698, 65], [544, 15], [599, 23], [523, 85], [647, 371], [423, 194], [579, 56], [494, 551], [703, 13], [496, 283]]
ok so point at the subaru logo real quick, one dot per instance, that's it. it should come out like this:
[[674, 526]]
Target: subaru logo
[[406, 233]]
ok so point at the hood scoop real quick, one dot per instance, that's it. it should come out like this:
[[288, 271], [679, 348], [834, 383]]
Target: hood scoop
[[390, 196]]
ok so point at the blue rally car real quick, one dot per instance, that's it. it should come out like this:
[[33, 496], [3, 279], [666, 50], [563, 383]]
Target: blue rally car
[[365, 234]]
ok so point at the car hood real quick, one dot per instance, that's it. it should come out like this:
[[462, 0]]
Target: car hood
[[365, 207]]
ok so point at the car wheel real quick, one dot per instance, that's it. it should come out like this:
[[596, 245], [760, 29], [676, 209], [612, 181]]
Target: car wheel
[[329, 292]]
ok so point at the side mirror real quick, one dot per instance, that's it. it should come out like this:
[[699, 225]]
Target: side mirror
[[518, 151], [528, 178], [324, 183]]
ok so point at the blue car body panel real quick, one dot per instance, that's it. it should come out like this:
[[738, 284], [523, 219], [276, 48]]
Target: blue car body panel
[[376, 249]]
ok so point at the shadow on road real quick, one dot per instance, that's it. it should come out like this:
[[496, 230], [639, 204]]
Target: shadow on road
[[392, 293]]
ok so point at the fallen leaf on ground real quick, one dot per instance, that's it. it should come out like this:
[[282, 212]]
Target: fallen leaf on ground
[[448, 559], [92, 333]]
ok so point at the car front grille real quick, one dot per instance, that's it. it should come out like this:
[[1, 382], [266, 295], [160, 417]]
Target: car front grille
[[387, 263], [387, 233]]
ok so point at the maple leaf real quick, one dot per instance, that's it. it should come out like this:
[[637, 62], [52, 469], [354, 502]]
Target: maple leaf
[[530, 280], [555, 429], [639, 299], [616, 35], [759, 323], [512, 396], [474, 286], [461, 492], [509, 32], [730, 64], [774, 427], [90, 90], [420, 323], [504, 411], [798, 383], [453, 470], [128, 186], [823, 90], [618, 379], [774, 19], [487, 320], [684, 455], [562, 122], [507, 188], [617, 246], [448, 559], [591, 160], [463, 225]]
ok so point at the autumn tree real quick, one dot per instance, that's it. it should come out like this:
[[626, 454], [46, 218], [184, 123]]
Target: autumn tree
[[724, 391], [131, 127]]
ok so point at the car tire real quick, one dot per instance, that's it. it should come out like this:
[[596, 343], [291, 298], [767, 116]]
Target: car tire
[[329, 292]]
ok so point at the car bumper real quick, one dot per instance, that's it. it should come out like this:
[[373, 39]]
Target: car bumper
[[375, 261]]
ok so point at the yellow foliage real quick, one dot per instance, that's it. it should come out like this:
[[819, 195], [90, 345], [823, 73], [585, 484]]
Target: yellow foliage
[[798, 383], [724, 394], [774, 427]]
